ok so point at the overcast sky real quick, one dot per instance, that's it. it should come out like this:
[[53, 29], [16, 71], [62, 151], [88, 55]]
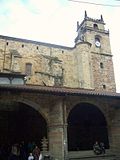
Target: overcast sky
[[54, 21]]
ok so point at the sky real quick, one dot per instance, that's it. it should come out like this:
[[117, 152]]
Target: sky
[[55, 21]]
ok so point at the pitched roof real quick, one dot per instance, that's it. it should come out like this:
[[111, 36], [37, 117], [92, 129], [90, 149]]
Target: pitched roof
[[62, 91], [34, 42]]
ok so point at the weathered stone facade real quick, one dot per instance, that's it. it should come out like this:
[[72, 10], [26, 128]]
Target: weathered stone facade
[[53, 65], [60, 82]]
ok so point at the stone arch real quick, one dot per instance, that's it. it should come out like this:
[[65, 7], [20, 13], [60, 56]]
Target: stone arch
[[34, 106], [100, 106], [86, 124], [23, 120]]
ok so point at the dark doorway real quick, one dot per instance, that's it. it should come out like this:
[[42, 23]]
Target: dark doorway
[[19, 122], [86, 125]]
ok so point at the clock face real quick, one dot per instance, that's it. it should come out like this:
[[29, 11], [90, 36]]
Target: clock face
[[97, 43]]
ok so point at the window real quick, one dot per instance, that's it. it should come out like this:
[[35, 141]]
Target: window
[[104, 86], [28, 69], [22, 45], [37, 47], [101, 65], [95, 26], [4, 80], [7, 43], [17, 81]]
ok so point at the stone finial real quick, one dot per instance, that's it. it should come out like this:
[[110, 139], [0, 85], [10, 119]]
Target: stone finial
[[101, 17], [85, 14]]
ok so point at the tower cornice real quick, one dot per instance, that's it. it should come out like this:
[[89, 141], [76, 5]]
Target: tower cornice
[[100, 21], [96, 30]]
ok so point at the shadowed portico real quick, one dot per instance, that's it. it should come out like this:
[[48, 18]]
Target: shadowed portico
[[86, 125]]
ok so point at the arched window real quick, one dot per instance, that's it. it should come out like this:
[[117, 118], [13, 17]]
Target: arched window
[[95, 26]]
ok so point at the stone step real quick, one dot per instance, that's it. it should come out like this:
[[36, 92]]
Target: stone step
[[105, 157], [88, 155]]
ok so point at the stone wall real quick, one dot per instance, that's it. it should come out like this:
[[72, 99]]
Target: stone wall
[[51, 65], [55, 110]]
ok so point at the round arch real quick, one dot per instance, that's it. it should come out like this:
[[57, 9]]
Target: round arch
[[86, 124], [34, 106], [22, 121]]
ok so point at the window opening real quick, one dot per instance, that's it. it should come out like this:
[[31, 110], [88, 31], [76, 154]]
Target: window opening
[[101, 65], [28, 69], [95, 26], [104, 86]]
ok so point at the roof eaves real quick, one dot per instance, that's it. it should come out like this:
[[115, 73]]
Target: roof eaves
[[35, 42], [57, 91]]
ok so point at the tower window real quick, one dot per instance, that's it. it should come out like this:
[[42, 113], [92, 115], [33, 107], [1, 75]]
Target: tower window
[[104, 86], [22, 45], [28, 69], [62, 51], [101, 65], [95, 26], [37, 47], [7, 43]]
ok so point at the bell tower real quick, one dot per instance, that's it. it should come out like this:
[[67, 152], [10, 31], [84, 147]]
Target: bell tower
[[93, 31]]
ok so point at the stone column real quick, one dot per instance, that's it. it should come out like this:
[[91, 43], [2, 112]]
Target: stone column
[[115, 132], [65, 129], [56, 130], [56, 142]]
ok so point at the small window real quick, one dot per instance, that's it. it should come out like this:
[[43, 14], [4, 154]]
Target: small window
[[101, 65], [37, 47], [22, 45], [7, 43], [95, 26], [28, 69], [104, 86], [4, 80], [62, 51], [17, 81]]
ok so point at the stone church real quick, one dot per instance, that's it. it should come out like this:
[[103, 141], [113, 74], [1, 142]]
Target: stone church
[[66, 95]]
